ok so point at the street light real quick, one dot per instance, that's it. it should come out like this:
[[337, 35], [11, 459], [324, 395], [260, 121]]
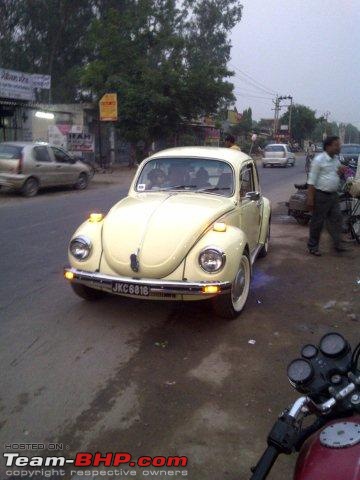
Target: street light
[[47, 115]]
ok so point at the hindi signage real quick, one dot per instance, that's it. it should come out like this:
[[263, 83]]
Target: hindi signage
[[108, 107]]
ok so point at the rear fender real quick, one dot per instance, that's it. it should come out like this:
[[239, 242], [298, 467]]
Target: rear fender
[[265, 220]]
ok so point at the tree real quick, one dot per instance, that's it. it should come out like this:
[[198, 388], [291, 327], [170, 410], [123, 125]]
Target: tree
[[48, 37], [245, 125], [303, 122], [165, 59]]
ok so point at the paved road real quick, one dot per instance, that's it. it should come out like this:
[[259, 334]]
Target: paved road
[[147, 377]]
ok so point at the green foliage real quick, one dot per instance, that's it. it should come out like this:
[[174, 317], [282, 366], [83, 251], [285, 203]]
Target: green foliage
[[49, 37], [245, 125], [303, 122], [166, 60]]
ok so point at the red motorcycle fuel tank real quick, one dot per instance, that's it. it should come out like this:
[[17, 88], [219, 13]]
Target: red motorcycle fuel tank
[[332, 453]]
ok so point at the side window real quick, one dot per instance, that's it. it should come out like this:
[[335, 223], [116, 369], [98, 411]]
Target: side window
[[246, 181], [41, 154], [60, 156]]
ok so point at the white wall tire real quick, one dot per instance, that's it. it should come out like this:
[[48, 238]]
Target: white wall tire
[[230, 305]]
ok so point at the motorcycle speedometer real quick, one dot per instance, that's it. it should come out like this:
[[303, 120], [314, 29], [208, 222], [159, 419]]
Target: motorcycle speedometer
[[309, 351], [300, 372], [333, 345]]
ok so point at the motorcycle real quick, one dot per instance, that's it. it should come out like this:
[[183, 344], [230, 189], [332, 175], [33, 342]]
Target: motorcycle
[[297, 204], [328, 377]]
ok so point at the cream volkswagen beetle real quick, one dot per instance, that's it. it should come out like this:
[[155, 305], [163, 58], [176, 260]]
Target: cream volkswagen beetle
[[191, 227]]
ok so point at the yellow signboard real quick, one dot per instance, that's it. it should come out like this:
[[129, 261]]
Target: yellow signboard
[[108, 107]]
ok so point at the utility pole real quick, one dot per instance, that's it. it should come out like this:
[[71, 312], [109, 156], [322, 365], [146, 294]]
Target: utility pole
[[326, 116], [277, 109], [276, 114]]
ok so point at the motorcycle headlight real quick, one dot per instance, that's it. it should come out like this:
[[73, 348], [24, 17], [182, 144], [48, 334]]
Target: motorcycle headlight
[[212, 259], [80, 248]]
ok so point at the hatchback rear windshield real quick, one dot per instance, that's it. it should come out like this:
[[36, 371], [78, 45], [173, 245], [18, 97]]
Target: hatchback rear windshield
[[10, 152], [274, 148], [350, 149]]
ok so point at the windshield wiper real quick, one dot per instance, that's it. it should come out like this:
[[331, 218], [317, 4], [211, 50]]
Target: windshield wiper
[[176, 187], [212, 189]]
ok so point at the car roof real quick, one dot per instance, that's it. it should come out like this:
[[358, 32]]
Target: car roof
[[23, 144], [276, 144], [230, 155]]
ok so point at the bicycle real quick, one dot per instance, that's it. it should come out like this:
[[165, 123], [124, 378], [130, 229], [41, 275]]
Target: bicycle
[[350, 208]]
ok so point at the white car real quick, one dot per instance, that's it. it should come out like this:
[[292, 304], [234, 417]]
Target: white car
[[278, 154]]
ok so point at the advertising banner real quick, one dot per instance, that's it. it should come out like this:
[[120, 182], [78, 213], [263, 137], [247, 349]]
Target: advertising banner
[[80, 142], [41, 81], [16, 85], [108, 108]]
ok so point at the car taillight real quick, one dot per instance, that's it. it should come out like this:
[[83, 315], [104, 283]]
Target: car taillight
[[20, 164]]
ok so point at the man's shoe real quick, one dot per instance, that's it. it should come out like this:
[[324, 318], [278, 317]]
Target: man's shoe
[[314, 251]]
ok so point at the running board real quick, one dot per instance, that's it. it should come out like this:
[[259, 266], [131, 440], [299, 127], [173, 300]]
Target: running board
[[255, 253]]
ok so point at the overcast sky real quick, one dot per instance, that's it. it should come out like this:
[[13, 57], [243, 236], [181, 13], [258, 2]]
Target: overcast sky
[[309, 49]]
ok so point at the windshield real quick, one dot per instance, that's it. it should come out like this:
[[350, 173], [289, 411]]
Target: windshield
[[350, 149], [275, 148], [187, 174]]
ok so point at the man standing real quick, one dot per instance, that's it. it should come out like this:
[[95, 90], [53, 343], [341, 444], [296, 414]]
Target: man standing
[[230, 143], [323, 199]]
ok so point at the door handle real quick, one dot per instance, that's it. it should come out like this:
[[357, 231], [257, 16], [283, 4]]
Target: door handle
[[58, 166], [38, 165]]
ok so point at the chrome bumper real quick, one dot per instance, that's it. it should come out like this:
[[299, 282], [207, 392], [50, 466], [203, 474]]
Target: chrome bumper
[[156, 287]]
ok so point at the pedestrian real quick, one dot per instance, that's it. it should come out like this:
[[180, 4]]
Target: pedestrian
[[310, 154], [230, 143], [323, 198]]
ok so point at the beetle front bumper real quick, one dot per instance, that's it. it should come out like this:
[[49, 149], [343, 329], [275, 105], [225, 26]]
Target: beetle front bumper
[[145, 287]]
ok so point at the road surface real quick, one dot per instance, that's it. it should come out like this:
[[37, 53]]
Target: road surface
[[155, 378]]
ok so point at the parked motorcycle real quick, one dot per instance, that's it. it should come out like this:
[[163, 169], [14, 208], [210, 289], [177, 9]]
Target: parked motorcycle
[[328, 377], [297, 204]]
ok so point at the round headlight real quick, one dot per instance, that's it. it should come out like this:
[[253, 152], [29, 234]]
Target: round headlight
[[80, 248], [211, 259]]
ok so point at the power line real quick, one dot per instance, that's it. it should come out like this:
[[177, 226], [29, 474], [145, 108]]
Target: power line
[[245, 94], [252, 81]]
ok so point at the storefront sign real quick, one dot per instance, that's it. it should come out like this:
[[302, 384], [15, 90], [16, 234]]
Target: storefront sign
[[58, 134], [108, 107], [16, 85], [80, 142], [41, 81]]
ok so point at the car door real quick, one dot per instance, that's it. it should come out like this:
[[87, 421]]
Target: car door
[[43, 166], [250, 204], [66, 172]]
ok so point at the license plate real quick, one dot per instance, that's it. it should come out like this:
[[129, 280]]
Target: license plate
[[130, 289]]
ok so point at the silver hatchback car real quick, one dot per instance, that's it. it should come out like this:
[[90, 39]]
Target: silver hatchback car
[[26, 167], [278, 154]]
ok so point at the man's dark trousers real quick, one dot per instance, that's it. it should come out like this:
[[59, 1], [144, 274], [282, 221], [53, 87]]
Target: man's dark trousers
[[326, 209]]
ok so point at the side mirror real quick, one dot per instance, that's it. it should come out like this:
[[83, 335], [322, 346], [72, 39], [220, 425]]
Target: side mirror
[[254, 196]]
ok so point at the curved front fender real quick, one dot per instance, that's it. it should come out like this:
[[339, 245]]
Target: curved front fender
[[93, 232], [232, 242]]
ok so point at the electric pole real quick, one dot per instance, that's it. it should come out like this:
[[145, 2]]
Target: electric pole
[[277, 108]]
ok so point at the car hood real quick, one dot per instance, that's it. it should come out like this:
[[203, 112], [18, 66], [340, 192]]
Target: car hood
[[159, 228]]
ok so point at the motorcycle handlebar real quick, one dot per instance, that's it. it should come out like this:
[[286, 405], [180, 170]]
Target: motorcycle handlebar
[[265, 463]]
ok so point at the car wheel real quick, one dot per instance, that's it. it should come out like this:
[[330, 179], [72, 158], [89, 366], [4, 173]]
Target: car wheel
[[264, 165], [303, 220], [30, 187], [265, 248], [82, 182], [87, 293], [230, 305]]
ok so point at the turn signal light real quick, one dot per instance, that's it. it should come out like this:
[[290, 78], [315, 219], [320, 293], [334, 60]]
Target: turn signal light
[[96, 217], [219, 227], [211, 289], [69, 275]]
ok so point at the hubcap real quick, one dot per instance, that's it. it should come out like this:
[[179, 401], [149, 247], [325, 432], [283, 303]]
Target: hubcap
[[239, 284], [31, 187]]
